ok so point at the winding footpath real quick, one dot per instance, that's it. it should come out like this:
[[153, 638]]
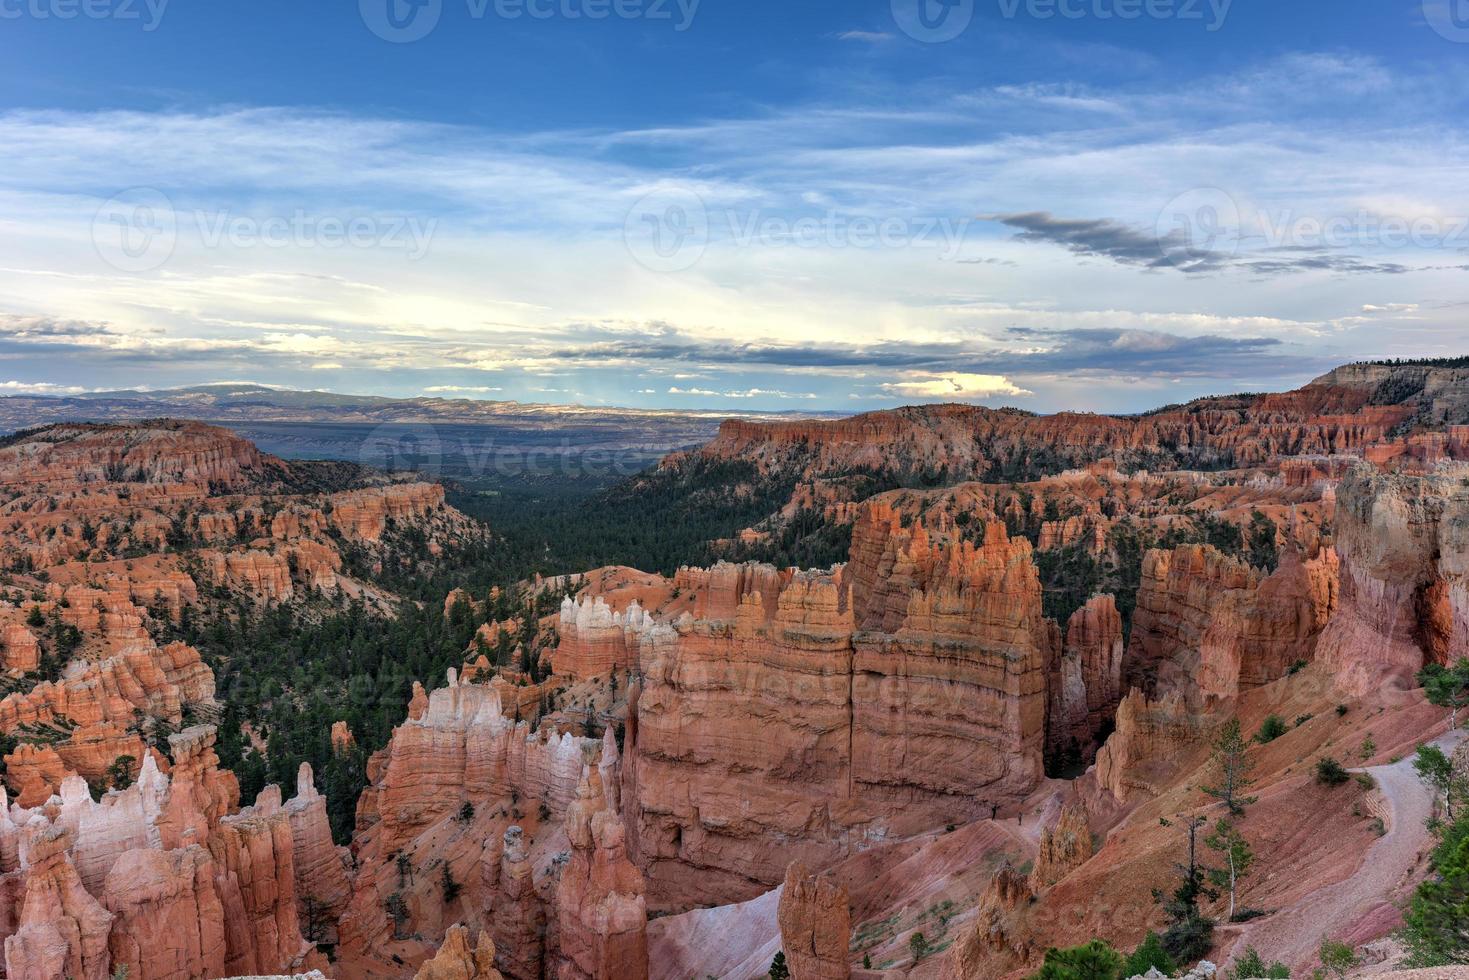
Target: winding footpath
[[1293, 935]]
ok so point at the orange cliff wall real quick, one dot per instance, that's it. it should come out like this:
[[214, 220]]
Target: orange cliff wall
[[1211, 625], [904, 691], [1404, 545]]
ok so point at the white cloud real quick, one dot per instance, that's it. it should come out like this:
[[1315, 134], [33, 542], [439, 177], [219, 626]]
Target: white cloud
[[39, 388], [959, 387], [745, 393]]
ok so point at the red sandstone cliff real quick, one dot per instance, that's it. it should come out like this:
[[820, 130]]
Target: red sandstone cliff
[[905, 690], [815, 926], [1404, 577]]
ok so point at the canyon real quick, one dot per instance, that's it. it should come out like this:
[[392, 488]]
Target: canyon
[[970, 740]]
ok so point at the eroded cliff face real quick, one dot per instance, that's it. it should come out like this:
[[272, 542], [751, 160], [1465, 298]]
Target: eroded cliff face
[[1326, 419], [848, 735], [1211, 626], [602, 916], [94, 710], [110, 533], [903, 690], [1153, 742], [1085, 682], [164, 878], [1404, 576], [517, 818], [815, 926]]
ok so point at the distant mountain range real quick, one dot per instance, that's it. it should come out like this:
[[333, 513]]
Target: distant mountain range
[[261, 403], [467, 434]]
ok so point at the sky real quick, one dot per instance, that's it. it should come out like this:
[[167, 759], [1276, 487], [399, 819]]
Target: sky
[[825, 205]]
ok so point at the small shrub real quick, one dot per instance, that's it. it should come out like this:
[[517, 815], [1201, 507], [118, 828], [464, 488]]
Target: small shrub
[[1270, 729], [1365, 780], [451, 887], [1296, 667], [1250, 966], [1329, 772], [1093, 961], [1337, 958], [1341, 710], [1149, 954]]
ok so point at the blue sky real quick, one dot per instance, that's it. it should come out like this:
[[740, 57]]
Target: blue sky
[[742, 205]]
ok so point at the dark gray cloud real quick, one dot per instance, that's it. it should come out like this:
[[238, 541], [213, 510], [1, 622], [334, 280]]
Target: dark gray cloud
[[17, 326], [1022, 351], [1127, 245]]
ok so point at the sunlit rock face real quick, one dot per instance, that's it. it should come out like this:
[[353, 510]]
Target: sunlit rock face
[[903, 689], [815, 926], [165, 878]]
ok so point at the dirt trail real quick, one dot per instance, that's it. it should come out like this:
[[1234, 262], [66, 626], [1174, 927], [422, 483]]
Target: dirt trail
[[1293, 935]]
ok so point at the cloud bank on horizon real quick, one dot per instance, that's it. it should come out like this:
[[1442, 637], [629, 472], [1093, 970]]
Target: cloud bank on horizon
[[1082, 214]]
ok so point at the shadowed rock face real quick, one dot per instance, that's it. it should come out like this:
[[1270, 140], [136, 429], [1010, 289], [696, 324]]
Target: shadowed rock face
[[1404, 544], [1085, 683], [1210, 625]]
